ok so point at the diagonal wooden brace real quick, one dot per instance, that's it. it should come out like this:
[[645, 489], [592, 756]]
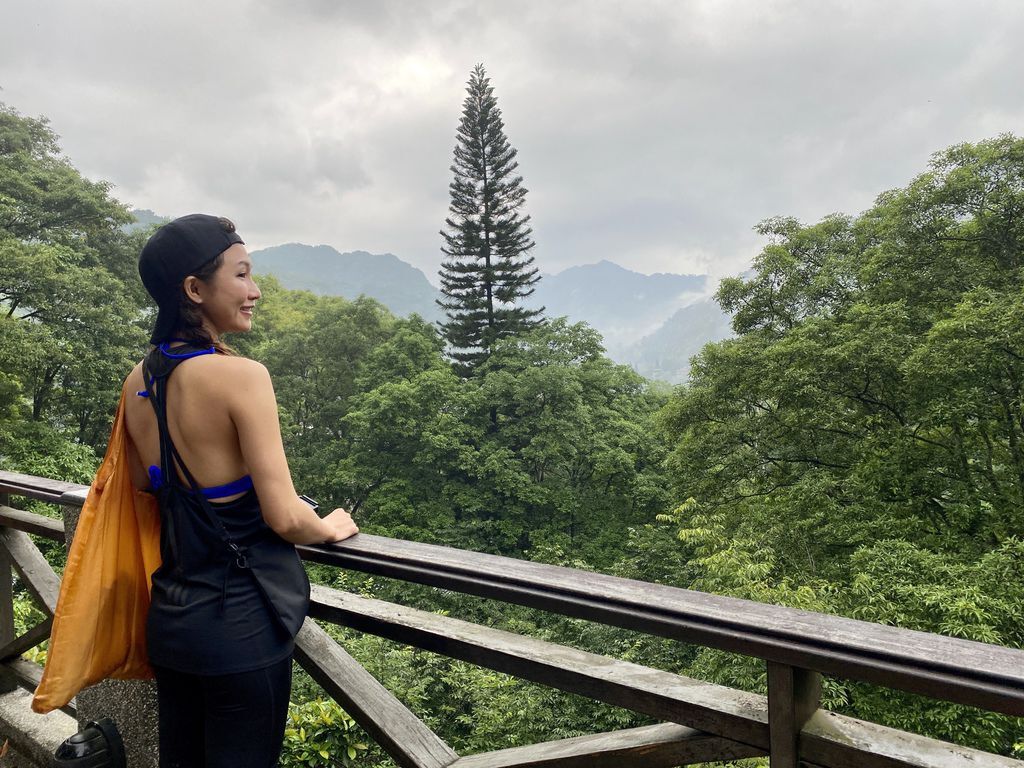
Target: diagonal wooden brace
[[403, 735], [36, 574], [30, 639]]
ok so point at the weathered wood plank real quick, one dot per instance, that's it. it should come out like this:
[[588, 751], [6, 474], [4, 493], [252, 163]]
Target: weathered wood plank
[[793, 696], [30, 522], [845, 742], [736, 715], [29, 639], [75, 497], [6, 592], [36, 574], [32, 487], [402, 735], [27, 674], [947, 668], [655, 746]]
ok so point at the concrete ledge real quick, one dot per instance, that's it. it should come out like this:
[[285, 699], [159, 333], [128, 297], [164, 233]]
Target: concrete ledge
[[34, 737]]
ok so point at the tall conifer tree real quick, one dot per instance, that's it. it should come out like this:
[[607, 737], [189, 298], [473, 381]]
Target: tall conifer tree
[[488, 269]]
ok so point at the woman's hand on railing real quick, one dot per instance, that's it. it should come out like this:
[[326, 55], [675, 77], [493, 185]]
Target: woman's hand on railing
[[340, 524]]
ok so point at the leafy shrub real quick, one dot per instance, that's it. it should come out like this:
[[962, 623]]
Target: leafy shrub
[[320, 734], [26, 616]]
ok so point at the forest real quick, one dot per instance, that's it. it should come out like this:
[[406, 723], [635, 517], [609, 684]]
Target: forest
[[857, 447]]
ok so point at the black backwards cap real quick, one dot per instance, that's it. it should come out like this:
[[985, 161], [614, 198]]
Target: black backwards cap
[[174, 252]]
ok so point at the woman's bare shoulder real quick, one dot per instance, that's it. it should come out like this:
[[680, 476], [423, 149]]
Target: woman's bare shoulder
[[133, 405], [133, 381], [231, 373], [238, 366], [213, 374]]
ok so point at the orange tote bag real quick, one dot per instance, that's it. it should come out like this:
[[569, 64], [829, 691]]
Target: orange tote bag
[[99, 627]]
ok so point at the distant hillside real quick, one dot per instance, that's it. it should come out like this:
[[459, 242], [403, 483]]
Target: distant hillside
[[651, 322], [144, 219], [321, 269], [666, 353], [654, 323], [623, 305]]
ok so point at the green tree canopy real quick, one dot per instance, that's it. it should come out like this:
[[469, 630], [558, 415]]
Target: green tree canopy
[[71, 322], [568, 462], [874, 389]]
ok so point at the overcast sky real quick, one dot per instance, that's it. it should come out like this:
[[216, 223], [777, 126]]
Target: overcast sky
[[653, 134]]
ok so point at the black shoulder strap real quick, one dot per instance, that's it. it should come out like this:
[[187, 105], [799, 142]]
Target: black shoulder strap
[[156, 369]]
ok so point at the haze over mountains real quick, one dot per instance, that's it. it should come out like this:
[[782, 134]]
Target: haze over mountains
[[321, 269], [653, 323]]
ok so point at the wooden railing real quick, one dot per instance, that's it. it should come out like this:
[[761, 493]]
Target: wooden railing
[[702, 722]]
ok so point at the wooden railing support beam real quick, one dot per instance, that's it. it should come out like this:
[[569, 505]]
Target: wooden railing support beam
[[36, 574], [735, 715], [6, 590], [793, 696], [27, 641], [7, 633], [653, 746], [402, 735], [47, 527]]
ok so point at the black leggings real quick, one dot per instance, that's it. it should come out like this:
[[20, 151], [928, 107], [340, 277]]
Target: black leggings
[[223, 721]]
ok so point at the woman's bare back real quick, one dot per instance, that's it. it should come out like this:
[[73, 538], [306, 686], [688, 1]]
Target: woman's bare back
[[198, 417]]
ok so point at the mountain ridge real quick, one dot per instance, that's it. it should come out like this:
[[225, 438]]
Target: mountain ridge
[[653, 323]]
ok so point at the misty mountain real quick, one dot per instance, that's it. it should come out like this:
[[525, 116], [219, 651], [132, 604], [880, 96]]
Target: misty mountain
[[665, 354], [652, 322], [397, 285], [144, 219], [623, 305]]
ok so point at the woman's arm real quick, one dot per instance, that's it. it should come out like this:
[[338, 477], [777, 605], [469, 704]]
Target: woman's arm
[[253, 410]]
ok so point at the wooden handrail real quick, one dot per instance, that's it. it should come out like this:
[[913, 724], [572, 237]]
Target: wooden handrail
[[797, 646], [39, 488], [947, 668]]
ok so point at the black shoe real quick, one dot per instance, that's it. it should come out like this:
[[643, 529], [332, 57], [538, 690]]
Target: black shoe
[[98, 745]]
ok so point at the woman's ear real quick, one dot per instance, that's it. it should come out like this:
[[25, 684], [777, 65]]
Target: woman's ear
[[191, 287]]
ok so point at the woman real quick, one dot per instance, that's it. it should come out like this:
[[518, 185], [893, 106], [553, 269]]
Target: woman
[[231, 592]]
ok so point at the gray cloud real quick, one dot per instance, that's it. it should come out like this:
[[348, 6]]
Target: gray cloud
[[655, 134]]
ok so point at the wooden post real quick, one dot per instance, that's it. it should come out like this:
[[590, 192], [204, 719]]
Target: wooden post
[[793, 696], [6, 589], [7, 682]]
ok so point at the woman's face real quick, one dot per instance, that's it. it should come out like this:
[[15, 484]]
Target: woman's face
[[229, 296]]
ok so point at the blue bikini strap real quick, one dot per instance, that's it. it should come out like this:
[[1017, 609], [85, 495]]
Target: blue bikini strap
[[165, 350], [242, 484]]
